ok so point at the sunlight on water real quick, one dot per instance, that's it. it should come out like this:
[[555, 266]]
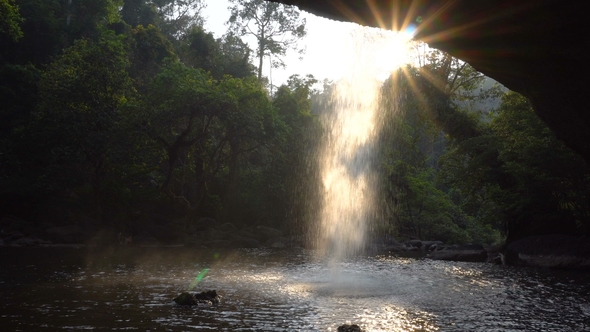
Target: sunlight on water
[[347, 157]]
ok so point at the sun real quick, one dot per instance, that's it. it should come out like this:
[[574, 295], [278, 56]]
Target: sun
[[395, 50]]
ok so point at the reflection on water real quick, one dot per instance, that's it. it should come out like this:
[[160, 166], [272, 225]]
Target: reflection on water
[[131, 289]]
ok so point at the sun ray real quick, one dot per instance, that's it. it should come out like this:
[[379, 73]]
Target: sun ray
[[349, 13], [376, 13], [414, 87], [431, 18], [458, 30], [409, 15]]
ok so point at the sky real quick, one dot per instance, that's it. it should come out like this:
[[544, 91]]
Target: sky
[[325, 43]]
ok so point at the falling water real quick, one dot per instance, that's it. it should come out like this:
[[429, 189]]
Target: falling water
[[348, 156]]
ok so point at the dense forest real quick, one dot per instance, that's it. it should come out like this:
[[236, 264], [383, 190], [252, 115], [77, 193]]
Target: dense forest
[[127, 115]]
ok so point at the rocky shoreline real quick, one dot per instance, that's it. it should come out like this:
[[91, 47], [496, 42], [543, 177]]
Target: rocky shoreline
[[548, 251]]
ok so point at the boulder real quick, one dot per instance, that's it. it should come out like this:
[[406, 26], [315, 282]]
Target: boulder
[[431, 245], [203, 224], [396, 248], [552, 251], [414, 243], [276, 242], [227, 227], [244, 242], [206, 298], [349, 328], [268, 232], [248, 234], [459, 254]]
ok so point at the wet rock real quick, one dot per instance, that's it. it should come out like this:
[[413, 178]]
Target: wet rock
[[349, 328], [431, 245], [465, 253], [244, 242], [204, 224], [277, 242], [206, 298], [396, 248], [227, 227], [414, 243], [553, 251], [388, 244], [248, 234], [268, 232]]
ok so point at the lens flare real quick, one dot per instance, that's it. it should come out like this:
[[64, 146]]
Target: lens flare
[[198, 278]]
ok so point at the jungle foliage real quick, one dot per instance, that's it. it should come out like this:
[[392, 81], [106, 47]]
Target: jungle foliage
[[459, 173], [126, 110]]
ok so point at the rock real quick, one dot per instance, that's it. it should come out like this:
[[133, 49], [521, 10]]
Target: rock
[[204, 298], [431, 245], [396, 248], [203, 224], [268, 232], [349, 328], [227, 227], [248, 234], [276, 242], [552, 251], [244, 242], [213, 235], [414, 243], [458, 254]]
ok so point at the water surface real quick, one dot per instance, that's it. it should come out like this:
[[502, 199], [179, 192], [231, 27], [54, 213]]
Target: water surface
[[68, 289]]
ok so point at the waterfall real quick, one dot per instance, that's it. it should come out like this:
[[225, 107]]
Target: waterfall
[[347, 155]]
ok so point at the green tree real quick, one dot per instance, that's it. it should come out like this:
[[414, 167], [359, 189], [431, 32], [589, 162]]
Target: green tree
[[10, 20], [422, 116], [148, 48], [83, 93], [276, 27], [518, 175]]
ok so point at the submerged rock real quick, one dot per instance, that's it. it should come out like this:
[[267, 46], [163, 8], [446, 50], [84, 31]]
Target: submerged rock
[[349, 328], [204, 298]]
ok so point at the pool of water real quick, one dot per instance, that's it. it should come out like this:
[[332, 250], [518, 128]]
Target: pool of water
[[49, 289]]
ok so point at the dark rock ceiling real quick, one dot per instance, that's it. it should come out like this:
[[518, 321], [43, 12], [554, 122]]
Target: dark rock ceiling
[[536, 47]]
